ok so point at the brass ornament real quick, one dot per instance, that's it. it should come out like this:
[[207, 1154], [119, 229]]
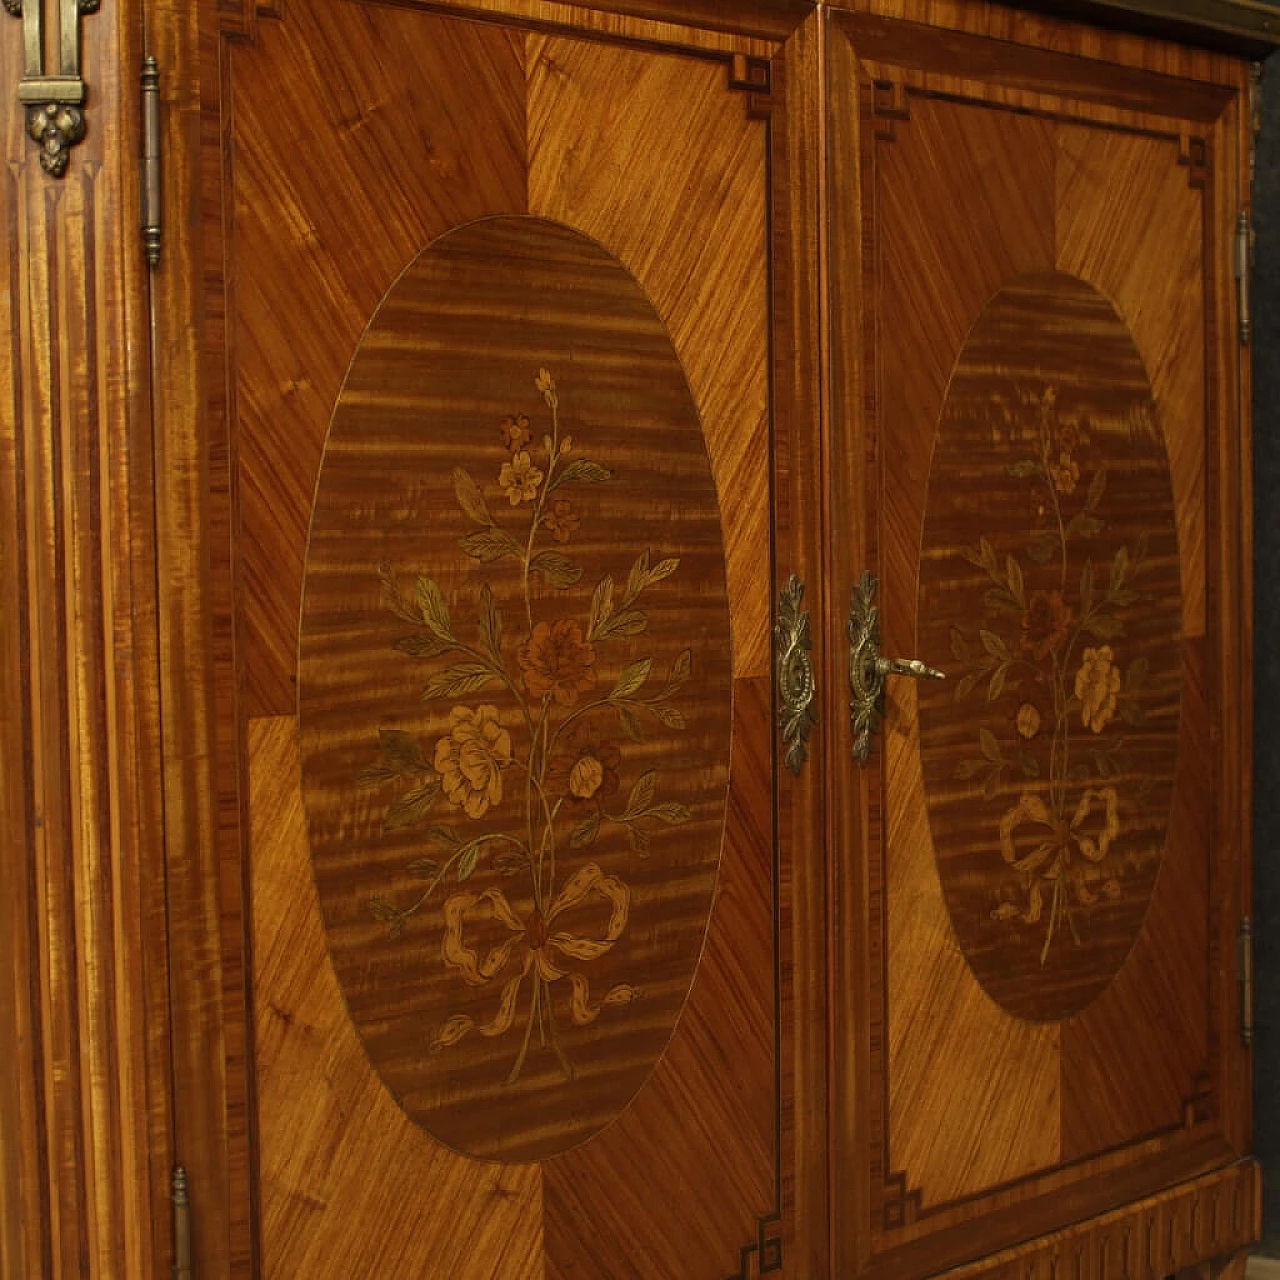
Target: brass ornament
[[53, 99], [868, 670], [796, 685], [55, 127]]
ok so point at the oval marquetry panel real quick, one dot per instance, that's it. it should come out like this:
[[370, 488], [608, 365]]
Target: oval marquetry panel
[[1049, 592], [515, 689]]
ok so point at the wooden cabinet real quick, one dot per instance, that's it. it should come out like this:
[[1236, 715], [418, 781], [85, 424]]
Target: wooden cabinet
[[469, 819], [1040, 371]]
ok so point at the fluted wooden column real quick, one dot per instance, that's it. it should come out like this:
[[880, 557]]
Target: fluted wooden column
[[84, 1127]]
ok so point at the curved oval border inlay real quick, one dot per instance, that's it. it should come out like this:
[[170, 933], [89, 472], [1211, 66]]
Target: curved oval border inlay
[[515, 689], [1050, 576]]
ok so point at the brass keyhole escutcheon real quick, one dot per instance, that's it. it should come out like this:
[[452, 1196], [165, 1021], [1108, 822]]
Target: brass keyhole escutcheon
[[868, 670]]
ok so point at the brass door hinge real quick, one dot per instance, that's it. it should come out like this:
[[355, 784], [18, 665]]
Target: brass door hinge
[[1244, 262], [182, 1267], [1255, 117], [151, 189], [1246, 981]]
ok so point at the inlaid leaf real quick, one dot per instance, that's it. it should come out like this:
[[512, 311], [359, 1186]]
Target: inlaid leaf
[[968, 769], [670, 716], [1024, 468], [1013, 574], [487, 545], [1029, 764], [644, 575], [632, 678], [967, 685], [381, 909], [401, 750], [996, 687], [490, 625], [1096, 489], [470, 498], [392, 598], [467, 860], [585, 832], [642, 793], [459, 680], [629, 721], [990, 747], [681, 670], [663, 569], [601, 606], [412, 807], [1000, 600], [1086, 587], [422, 645], [432, 607], [639, 840], [630, 622], [557, 568], [670, 813], [638, 576], [444, 835], [581, 470], [376, 775], [424, 868], [1084, 526], [994, 645], [992, 786], [1119, 568]]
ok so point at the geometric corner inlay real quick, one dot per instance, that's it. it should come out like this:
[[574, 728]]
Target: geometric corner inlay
[[754, 77], [1194, 155], [889, 104]]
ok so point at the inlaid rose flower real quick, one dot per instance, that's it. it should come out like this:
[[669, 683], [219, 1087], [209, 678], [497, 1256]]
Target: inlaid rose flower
[[470, 759], [1045, 623], [557, 660], [586, 772]]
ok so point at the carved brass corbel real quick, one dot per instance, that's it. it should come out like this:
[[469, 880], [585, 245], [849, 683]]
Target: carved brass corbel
[[54, 102]]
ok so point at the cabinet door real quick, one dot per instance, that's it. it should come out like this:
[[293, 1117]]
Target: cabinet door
[[492, 541], [1037, 362]]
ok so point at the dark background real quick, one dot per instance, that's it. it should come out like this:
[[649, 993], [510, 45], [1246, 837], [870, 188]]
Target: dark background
[[1266, 433]]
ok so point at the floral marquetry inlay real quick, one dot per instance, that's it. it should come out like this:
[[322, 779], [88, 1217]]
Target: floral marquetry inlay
[[1049, 575], [515, 689]]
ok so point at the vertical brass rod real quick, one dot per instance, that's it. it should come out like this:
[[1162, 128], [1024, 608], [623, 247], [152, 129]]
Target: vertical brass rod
[[69, 37], [33, 36]]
